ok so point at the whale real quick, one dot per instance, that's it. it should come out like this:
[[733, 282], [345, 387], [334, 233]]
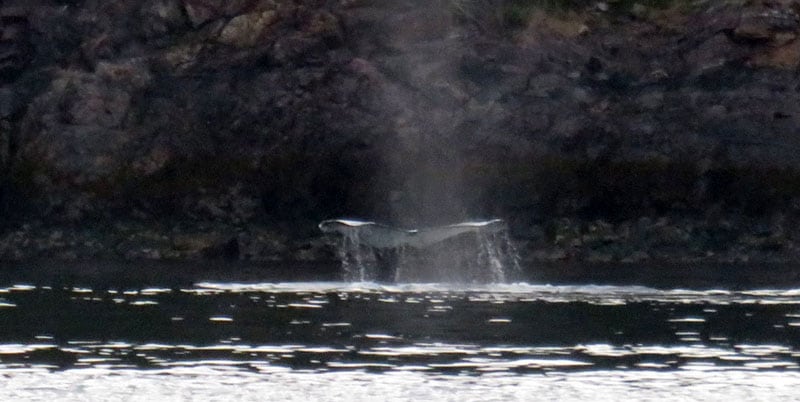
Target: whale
[[380, 236]]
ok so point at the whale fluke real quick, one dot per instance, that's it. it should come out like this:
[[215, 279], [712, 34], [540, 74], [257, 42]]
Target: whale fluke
[[380, 236]]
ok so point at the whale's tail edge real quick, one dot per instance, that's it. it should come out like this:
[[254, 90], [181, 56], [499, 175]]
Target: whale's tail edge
[[382, 236]]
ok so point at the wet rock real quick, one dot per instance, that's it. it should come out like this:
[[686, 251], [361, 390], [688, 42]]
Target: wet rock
[[162, 17], [635, 257], [784, 56], [227, 249], [142, 243], [181, 58], [84, 100], [143, 254], [234, 207], [198, 244], [10, 102], [639, 10], [765, 24], [248, 30], [546, 85], [315, 250], [131, 74], [651, 100], [598, 257], [599, 232], [203, 11], [198, 12], [717, 112], [325, 25], [550, 255], [261, 244], [569, 128], [713, 54], [366, 69], [154, 161], [77, 108], [15, 46]]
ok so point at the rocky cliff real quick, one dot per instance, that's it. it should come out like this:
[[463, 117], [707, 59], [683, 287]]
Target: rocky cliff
[[616, 131]]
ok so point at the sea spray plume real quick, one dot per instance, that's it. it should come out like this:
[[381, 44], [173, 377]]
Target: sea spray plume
[[422, 99]]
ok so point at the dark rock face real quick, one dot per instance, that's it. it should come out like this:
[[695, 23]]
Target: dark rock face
[[205, 128], [139, 98]]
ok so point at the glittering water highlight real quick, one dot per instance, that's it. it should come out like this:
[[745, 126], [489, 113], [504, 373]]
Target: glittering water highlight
[[328, 340]]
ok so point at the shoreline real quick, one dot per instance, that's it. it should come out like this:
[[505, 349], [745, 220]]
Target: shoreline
[[115, 274], [561, 241]]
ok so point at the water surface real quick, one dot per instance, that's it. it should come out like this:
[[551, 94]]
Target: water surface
[[362, 341]]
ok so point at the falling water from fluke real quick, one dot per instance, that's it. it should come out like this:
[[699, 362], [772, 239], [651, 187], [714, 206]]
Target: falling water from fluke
[[474, 251]]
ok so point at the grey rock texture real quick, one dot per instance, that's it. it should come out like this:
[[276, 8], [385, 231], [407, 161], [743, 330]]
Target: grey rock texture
[[227, 129]]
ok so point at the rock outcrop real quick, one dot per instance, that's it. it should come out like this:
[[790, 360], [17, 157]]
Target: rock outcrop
[[206, 128]]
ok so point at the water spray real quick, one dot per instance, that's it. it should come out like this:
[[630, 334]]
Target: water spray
[[478, 250]]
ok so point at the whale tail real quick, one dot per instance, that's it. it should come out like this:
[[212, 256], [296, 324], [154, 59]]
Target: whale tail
[[380, 236], [480, 250]]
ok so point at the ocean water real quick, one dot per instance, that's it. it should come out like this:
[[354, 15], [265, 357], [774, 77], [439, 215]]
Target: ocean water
[[325, 340]]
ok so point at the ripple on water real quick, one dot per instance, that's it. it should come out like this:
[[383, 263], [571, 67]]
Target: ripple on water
[[434, 333], [494, 293]]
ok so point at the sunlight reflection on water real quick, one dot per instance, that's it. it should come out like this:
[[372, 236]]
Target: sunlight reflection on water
[[220, 381], [367, 341]]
